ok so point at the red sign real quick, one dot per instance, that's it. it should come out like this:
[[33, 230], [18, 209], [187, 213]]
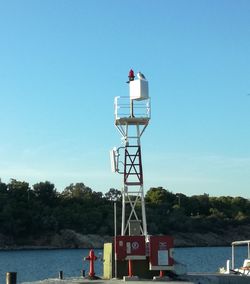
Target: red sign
[[160, 251], [130, 247]]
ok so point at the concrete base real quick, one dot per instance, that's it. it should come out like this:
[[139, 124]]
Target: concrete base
[[130, 278]]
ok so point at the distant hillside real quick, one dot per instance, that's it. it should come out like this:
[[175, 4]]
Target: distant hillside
[[40, 216], [71, 239]]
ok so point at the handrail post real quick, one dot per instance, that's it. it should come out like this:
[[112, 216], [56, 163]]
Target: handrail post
[[233, 257]]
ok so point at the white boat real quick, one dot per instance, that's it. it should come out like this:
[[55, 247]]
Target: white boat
[[244, 270]]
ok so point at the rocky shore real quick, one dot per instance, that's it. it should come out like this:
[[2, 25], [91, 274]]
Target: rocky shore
[[72, 239], [224, 238]]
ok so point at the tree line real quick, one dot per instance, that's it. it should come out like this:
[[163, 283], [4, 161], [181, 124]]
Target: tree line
[[28, 212]]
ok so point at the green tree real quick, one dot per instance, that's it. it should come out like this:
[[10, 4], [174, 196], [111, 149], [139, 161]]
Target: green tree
[[18, 190], [45, 192], [159, 195], [77, 191], [113, 194]]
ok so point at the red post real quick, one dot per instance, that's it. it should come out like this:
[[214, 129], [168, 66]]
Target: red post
[[92, 258], [162, 273], [130, 270]]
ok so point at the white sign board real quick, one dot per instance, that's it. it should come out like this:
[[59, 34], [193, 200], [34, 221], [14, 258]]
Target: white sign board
[[162, 257]]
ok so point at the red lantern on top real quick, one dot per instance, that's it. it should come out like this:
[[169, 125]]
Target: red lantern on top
[[131, 75]]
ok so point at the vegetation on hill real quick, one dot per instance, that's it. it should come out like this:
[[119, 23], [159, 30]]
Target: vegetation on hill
[[29, 212]]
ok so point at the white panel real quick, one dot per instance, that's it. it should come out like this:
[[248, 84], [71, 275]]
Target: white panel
[[128, 248], [113, 160], [138, 89], [162, 257]]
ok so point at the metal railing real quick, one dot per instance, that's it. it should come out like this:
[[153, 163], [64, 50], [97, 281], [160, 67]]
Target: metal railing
[[125, 108]]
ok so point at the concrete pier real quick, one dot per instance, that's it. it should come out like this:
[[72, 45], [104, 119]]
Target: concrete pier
[[194, 278], [112, 281], [216, 278]]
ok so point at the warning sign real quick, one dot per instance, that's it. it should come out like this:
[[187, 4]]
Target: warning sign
[[130, 247]]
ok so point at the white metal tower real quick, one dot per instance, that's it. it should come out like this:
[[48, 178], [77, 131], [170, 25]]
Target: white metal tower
[[132, 115]]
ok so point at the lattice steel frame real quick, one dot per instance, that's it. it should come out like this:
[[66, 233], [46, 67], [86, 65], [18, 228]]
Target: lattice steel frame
[[133, 191]]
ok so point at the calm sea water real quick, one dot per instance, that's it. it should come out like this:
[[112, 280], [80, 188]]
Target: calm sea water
[[32, 265]]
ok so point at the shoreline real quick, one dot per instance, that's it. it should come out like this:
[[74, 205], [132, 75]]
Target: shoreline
[[69, 239], [26, 248]]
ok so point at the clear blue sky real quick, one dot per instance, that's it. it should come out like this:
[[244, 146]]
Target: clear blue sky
[[63, 62]]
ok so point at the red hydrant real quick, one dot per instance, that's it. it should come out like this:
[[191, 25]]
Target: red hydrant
[[92, 258]]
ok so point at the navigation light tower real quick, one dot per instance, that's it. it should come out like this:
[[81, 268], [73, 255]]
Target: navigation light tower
[[132, 115]]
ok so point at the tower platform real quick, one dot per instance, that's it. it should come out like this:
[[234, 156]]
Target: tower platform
[[132, 121]]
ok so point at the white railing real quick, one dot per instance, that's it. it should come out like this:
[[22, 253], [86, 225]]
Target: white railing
[[125, 108]]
